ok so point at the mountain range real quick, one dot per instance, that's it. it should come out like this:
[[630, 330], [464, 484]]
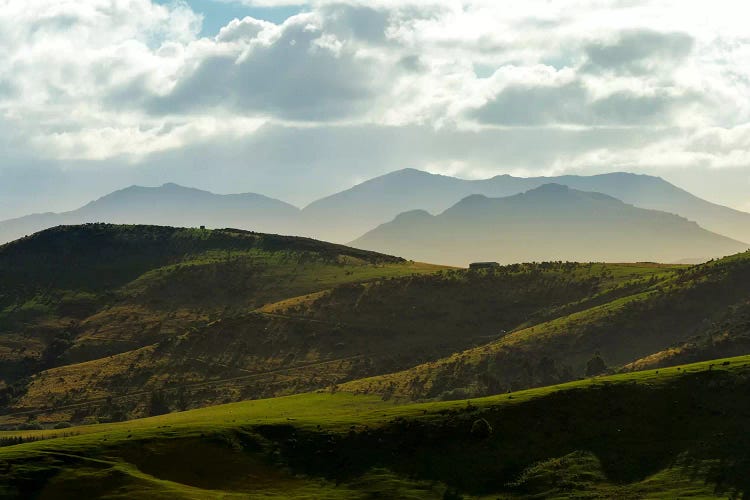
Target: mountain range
[[348, 215], [168, 205], [549, 223], [342, 216]]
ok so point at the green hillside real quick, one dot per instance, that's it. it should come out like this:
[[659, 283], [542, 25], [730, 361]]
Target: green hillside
[[671, 433], [139, 351], [614, 333], [83, 293]]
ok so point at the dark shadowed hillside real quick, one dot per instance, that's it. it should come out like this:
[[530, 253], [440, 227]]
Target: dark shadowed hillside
[[551, 222], [76, 293], [672, 433], [98, 318], [693, 303]]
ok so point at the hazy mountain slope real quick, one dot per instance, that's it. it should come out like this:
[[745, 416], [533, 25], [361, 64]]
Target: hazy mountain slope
[[348, 214], [655, 193], [620, 331], [672, 433], [551, 222], [168, 205]]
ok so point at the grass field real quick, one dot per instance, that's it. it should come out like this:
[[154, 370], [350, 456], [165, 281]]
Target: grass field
[[637, 442]]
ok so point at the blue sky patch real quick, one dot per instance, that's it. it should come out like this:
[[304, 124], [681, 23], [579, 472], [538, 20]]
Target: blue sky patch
[[217, 14]]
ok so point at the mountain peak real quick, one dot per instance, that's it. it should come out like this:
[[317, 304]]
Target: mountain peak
[[550, 188]]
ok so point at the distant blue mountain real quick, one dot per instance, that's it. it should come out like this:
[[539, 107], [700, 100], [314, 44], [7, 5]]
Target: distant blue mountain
[[550, 222], [346, 215], [169, 205]]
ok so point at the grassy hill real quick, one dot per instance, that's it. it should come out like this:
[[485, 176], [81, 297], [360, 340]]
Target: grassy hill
[[671, 433], [119, 362], [201, 317], [616, 332], [83, 293], [728, 335]]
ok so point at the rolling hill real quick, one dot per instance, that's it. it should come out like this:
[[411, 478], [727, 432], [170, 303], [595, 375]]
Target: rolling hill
[[101, 324], [100, 319], [104, 322], [318, 340], [692, 303], [83, 293], [670, 433], [166, 205], [551, 222]]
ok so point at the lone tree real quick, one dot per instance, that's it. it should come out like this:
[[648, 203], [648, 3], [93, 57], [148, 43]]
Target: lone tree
[[595, 366], [158, 404]]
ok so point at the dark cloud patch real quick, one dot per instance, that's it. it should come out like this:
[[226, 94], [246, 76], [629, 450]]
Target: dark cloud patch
[[357, 22], [638, 52], [572, 104], [293, 78], [535, 105], [627, 108]]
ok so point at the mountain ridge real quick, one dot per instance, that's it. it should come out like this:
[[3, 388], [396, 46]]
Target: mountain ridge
[[550, 222], [346, 215]]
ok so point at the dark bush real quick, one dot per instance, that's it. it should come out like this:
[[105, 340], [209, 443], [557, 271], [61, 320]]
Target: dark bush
[[481, 429]]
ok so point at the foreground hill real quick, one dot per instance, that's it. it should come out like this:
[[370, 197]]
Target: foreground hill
[[693, 302], [346, 215], [551, 222], [672, 433], [76, 293], [157, 349], [105, 322], [167, 205]]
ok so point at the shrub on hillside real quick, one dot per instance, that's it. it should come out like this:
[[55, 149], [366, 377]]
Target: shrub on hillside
[[481, 429]]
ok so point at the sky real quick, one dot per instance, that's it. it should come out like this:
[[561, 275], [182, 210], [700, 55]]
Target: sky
[[299, 99]]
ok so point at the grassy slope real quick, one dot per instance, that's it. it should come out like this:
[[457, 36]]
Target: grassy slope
[[729, 335], [78, 293], [669, 433], [621, 331], [313, 341]]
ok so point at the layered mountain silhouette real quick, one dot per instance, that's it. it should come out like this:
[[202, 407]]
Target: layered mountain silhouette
[[348, 214], [168, 205], [342, 216], [551, 222]]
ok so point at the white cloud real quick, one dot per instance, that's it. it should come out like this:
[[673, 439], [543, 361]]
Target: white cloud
[[132, 80]]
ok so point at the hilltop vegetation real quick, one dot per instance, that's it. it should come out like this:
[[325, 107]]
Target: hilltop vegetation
[[677, 432]]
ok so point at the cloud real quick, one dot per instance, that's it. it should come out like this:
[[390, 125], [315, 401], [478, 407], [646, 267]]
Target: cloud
[[296, 71], [572, 103], [639, 52], [350, 88]]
